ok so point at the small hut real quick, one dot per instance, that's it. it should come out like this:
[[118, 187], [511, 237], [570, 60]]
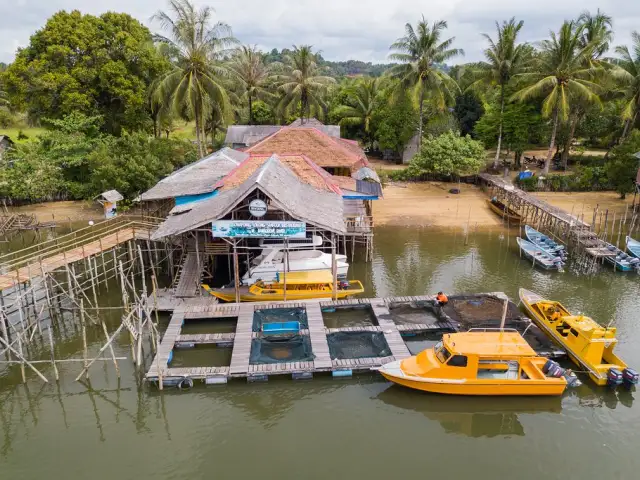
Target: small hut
[[109, 201]]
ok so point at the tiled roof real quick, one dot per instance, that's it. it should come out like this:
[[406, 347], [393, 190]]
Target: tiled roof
[[319, 147]]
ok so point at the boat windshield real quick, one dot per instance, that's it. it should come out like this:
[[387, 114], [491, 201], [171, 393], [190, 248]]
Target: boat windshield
[[441, 352]]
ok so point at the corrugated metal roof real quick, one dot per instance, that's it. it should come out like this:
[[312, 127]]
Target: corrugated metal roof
[[251, 134], [366, 173], [198, 177], [287, 193], [369, 188]]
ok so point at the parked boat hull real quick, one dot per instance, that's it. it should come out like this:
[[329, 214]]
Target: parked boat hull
[[633, 247], [229, 294], [509, 215], [538, 261]]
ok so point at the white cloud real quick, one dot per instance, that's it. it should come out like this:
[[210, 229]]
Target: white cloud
[[342, 29]]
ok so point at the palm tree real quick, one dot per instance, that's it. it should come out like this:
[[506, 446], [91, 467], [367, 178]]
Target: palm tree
[[195, 83], [627, 72], [562, 76], [302, 83], [250, 70], [362, 101], [420, 53], [504, 60]]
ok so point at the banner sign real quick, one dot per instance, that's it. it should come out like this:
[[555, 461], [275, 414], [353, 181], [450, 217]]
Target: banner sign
[[258, 229]]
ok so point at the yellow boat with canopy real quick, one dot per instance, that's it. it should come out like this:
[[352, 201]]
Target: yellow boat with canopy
[[304, 285], [588, 344], [477, 362]]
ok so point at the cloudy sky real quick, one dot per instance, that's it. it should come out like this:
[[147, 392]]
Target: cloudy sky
[[341, 29]]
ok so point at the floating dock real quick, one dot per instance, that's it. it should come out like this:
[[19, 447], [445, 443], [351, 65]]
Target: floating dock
[[315, 333]]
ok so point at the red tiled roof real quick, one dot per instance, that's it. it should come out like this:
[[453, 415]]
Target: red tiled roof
[[320, 148], [300, 165]]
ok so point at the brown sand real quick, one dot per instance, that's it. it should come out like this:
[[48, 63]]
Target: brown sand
[[430, 204], [61, 212]]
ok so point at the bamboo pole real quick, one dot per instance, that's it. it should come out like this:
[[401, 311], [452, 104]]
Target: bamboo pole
[[504, 314], [19, 355], [334, 269], [113, 355], [85, 351], [53, 359], [104, 347]]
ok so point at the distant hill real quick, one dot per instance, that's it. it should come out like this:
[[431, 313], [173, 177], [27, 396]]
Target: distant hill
[[349, 68]]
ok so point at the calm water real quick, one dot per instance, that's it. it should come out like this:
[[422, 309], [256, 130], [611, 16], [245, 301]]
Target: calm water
[[351, 428]]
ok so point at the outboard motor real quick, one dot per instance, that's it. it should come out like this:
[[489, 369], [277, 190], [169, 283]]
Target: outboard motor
[[549, 363], [572, 379], [611, 248], [630, 377], [344, 285], [634, 261], [556, 371], [614, 377]]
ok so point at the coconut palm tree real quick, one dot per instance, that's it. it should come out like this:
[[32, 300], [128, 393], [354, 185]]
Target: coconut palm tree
[[504, 59], [627, 72], [249, 69], [562, 77], [420, 53], [301, 83], [362, 101], [196, 82]]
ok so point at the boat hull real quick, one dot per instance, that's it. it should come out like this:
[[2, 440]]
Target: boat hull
[[510, 216], [270, 275], [537, 261], [533, 236], [633, 247], [473, 387], [229, 295]]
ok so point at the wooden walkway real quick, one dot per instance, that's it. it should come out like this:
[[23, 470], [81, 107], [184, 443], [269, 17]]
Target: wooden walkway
[[190, 276], [53, 262], [167, 344], [397, 346], [319, 345], [242, 342]]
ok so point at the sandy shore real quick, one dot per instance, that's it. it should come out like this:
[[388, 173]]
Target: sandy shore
[[62, 211], [430, 204]]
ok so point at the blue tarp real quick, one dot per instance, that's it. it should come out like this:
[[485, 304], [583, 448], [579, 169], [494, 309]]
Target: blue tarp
[[525, 174], [194, 198]]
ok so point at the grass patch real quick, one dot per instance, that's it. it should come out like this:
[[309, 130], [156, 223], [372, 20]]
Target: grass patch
[[31, 132]]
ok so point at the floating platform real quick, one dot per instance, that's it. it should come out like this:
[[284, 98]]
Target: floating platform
[[315, 349]]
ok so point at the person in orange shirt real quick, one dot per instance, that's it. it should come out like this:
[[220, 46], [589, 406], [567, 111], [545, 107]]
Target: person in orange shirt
[[441, 299]]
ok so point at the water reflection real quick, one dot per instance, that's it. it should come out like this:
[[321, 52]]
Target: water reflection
[[471, 417]]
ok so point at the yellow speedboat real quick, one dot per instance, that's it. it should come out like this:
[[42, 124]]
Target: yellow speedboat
[[477, 362], [588, 344], [299, 286]]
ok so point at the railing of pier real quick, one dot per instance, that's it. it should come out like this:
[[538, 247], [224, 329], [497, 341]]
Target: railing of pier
[[76, 239]]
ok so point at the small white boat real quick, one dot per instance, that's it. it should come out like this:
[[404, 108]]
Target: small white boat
[[271, 261], [633, 246], [538, 256]]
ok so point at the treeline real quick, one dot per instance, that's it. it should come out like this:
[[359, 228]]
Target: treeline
[[119, 83]]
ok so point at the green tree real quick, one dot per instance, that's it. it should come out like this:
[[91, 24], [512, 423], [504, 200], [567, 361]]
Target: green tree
[[468, 111], [362, 99], [449, 154], [302, 83], [195, 84], [627, 72], [504, 59], [92, 65], [561, 77], [622, 164], [250, 70], [262, 113], [397, 122], [419, 54]]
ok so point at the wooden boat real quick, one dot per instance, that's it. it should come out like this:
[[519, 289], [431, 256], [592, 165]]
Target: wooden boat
[[622, 261], [633, 246], [477, 362], [545, 243], [299, 286], [504, 212], [588, 344], [538, 256]]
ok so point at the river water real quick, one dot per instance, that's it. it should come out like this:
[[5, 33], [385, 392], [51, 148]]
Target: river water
[[344, 428]]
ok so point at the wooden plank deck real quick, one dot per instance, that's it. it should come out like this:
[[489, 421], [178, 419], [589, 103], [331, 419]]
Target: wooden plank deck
[[319, 345], [242, 344], [206, 338], [56, 261], [360, 363], [390, 330], [190, 276], [168, 342]]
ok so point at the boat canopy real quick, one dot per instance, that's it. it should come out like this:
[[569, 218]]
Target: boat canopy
[[488, 344], [306, 277]]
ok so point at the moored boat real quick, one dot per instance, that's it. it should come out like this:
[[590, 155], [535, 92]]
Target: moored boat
[[478, 362], [622, 261], [538, 256], [633, 246], [587, 343], [544, 242], [298, 285], [506, 213]]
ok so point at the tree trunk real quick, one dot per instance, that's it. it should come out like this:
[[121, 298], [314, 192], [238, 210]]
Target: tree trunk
[[497, 159], [198, 139], [421, 119], [552, 143], [628, 125], [567, 144], [250, 110]]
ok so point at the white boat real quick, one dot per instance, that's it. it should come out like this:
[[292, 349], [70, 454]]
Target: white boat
[[271, 261]]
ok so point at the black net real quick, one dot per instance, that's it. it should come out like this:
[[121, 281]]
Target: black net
[[479, 310], [343, 345], [413, 313], [276, 315], [292, 349]]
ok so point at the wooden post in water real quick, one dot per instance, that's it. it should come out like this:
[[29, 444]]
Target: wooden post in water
[[85, 351], [334, 269], [504, 313], [236, 273], [53, 358], [284, 269]]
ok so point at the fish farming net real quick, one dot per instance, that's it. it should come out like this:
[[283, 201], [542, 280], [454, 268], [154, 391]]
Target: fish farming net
[[343, 345], [413, 313], [277, 315], [479, 310], [291, 349]]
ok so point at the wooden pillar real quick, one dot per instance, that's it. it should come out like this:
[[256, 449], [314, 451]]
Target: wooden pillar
[[334, 268], [236, 273]]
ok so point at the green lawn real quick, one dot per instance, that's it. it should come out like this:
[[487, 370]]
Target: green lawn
[[31, 132]]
